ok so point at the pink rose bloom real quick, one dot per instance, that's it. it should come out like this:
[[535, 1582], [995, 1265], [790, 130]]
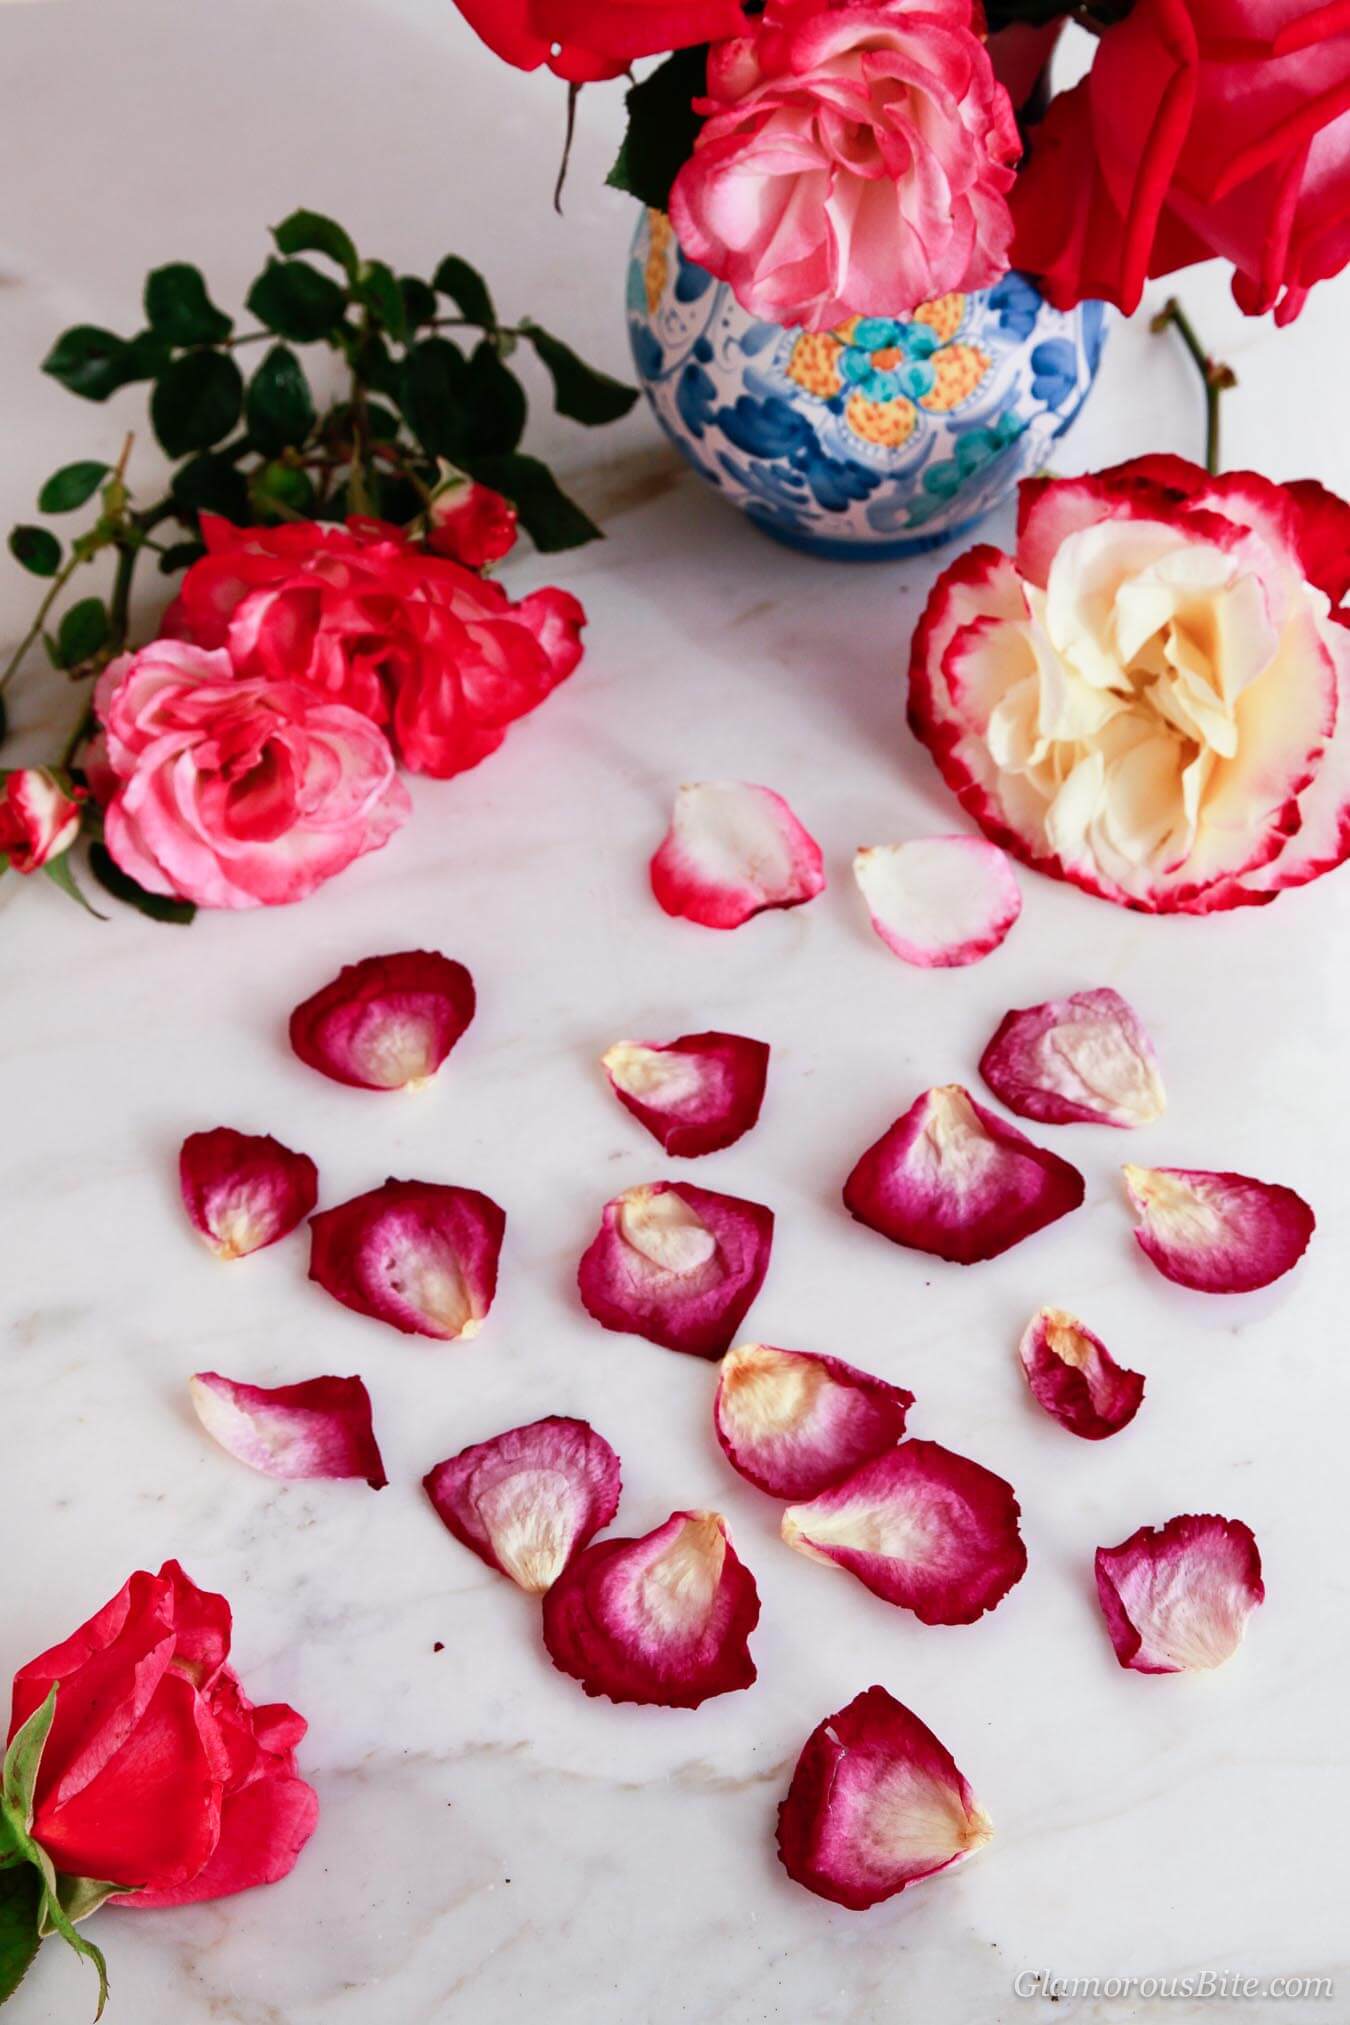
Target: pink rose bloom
[[854, 161], [237, 791], [473, 525], [39, 818], [415, 642]]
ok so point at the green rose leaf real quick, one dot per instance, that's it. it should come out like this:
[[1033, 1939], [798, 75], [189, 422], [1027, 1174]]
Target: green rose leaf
[[493, 420], [296, 301], [377, 289], [71, 486], [210, 484], [88, 361], [21, 1896], [419, 300], [434, 383], [467, 289], [278, 407], [82, 632], [59, 872], [662, 127], [579, 391], [311, 232], [36, 548], [181, 556], [552, 520], [155, 906], [178, 308], [196, 401]]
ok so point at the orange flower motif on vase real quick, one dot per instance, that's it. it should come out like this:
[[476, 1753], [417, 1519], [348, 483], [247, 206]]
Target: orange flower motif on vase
[[879, 371]]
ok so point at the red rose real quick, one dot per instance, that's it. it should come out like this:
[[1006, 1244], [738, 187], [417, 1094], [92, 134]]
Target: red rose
[[583, 40], [39, 818], [472, 525], [1206, 127], [158, 1771]]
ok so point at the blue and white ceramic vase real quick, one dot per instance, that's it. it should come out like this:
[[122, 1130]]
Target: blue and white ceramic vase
[[881, 438]]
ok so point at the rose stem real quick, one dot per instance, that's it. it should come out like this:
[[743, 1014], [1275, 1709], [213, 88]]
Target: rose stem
[[1216, 376]]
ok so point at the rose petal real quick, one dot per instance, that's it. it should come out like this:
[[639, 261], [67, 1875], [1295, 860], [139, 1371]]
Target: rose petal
[[1075, 1378], [415, 1254], [677, 1264], [1176, 1598], [528, 1500], [951, 1178], [386, 1023], [939, 902], [1080, 1060], [696, 1095], [876, 1803], [794, 1423], [731, 851], [921, 1527], [663, 1619], [1219, 1233], [319, 1428], [244, 1190]]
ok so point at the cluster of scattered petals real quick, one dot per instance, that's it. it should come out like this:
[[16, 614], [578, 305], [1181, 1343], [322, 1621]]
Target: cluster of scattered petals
[[1176, 1598], [695, 1095], [939, 902], [244, 1190], [419, 1255], [876, 1804], [1075, 1378], [664, 1619], [1150, 698], [1080, 1060], [677, 1264], [732, 851], [528, 1500], [39, 817], [951, 1178], [386, 1023], [1218, 1233], [919, 1527], [319, 1428], [794, 1423]]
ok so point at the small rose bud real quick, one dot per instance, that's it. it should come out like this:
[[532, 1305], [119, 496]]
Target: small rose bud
[[39, 817], [472, 524]]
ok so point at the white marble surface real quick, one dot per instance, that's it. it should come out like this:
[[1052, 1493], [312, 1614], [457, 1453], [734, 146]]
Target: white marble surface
[[493, 1846]]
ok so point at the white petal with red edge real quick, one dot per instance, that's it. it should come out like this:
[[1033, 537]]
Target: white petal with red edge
[[1075, 1378], [697, 1094], [319, 1428], [244, 1190], [677, 1264], [1080, 1060], [1219, 1233], [939, 902], [528, 1500], [1176, 1598], [733, 850], [794, 1423]]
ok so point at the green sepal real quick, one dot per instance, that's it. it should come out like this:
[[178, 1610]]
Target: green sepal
[[59, 872], [71, 486], [662, 127], [155, 906], [22, 1760], [579, 391], [53, 1919], [79, 1898]]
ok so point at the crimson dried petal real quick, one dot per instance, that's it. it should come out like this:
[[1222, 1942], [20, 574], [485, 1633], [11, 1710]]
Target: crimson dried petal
[[677, 1264], [528, 1500], [418, 1255], [794, 1423], [1218, 1233], [319, 1428], [876, 1804], [697, 1094], [939, 902], [921, 1527], [244, 1190], [663, 1619], [951, 1178], [1176, 1598], [1080, 1060], [386, 1023], [1075, 1378], [733, 850]]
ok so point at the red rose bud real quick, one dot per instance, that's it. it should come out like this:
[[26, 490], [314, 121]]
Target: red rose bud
[[244, 1190], [39, 818], [386, 1023], [415, 1254], [472, 525]]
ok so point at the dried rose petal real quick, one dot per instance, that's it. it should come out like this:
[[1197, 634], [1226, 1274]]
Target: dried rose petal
[[951, 1178], [415, 1254], [1080, 1060], [1075, 1378], [876, 1803], [1176, 1598], [320, 1428], [663, 1619], [386, 1023], [528, 1500], [731, 851], [921, 1527], [939, 902], [1218, 1233], [677, 1264], [697, 1094], [244, 1190], [794, 1423]]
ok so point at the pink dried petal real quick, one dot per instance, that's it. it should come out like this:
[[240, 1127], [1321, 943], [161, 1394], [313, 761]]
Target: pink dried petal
[[415, 1254], [939, 902], [951, 1178], [677, 1264], [794, 1423], [1176, 1598], [244, 1190], [1218, 1233], [697, 1094], [320, 1428], [876, 1803], [527, 1501], [731, 851], [1075, 1378], [663, 1619], [1080, 1060], [386, 1023], [921, 1527]]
